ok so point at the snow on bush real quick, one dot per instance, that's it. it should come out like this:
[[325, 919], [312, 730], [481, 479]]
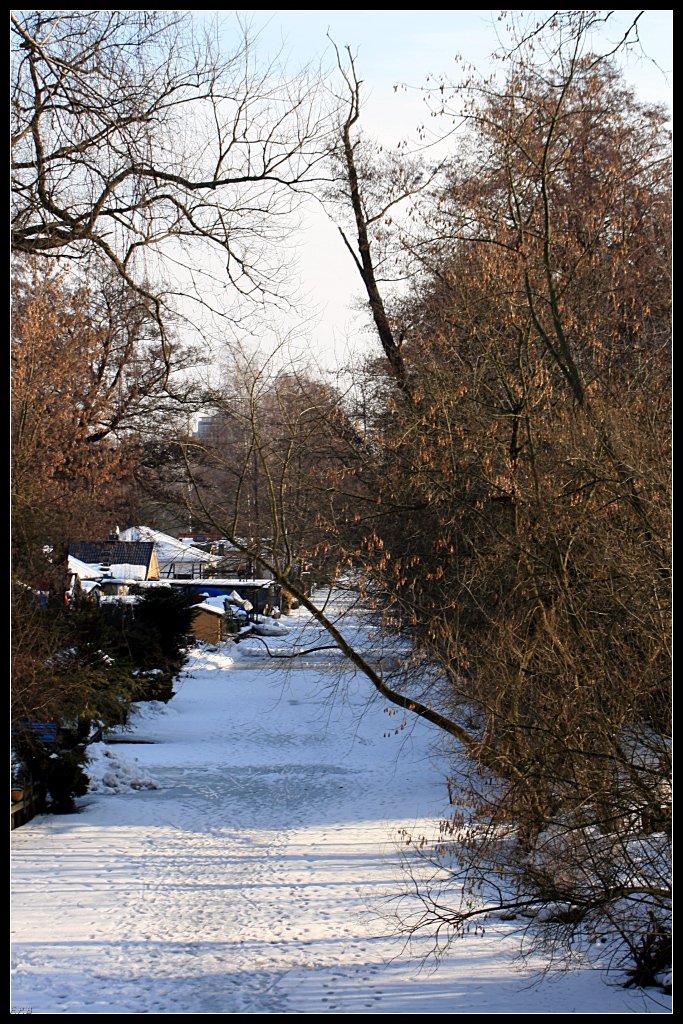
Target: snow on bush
[[212, 657], [110, 773]]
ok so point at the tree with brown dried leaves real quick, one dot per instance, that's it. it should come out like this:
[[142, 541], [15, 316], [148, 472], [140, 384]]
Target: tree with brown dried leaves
[[521, 525]]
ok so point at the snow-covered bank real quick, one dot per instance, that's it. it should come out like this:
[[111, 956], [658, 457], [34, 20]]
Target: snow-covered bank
[[255, 878]]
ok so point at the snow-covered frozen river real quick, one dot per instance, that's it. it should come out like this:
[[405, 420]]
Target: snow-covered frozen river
[[257, 876]]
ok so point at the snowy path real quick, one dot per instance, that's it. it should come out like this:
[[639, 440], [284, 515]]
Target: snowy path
[[251, 881]]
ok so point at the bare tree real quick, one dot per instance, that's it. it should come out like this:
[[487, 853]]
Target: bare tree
[[290, 440], [134, 140]]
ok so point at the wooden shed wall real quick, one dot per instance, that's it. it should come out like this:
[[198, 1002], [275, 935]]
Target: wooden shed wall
[[209, 627]]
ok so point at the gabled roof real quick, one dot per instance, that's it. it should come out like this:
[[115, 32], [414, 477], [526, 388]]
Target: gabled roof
[[113, 552], [169, 549], [82, 569]]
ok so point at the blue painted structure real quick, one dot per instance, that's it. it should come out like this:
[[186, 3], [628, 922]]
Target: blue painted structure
[[259, 592]]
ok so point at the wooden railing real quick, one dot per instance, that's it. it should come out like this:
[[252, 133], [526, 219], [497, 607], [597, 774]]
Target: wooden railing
[[26, 802]]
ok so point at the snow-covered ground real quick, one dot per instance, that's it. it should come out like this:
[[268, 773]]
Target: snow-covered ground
[[240, 855]]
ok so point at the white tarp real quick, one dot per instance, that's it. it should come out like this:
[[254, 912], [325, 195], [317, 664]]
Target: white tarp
[[125, 571]]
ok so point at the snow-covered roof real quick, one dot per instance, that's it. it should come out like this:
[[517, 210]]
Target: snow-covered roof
[[220, 581], [206, 607], [169, 549], [217, 604], [118, 572], [84, 570], [113, 553]]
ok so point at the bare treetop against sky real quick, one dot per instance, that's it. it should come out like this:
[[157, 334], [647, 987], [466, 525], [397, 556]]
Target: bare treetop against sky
[[260, 240], [406, 46], [397, 48]]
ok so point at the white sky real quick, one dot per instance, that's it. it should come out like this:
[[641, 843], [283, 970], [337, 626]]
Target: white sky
[[394, 47]]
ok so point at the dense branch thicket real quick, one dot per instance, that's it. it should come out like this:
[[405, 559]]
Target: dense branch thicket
[[76, 670], [498, 479], [261, 466], [88, 389], [519, 502], [148, 170], [502, 488]]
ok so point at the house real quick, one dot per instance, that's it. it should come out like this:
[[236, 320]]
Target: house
[[176, 559], [83, 578], [117, 559]]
